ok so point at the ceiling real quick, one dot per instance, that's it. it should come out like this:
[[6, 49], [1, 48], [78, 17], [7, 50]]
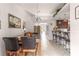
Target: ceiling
[[42, 10]]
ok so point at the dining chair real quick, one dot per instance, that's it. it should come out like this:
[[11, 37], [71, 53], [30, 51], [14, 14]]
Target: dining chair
[[28, 34], [12, 46], [29, 45]]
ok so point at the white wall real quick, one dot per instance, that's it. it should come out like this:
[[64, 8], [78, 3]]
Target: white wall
[[19, 12], [74, 31], [2, 50], [53, 24], [16, 11], [30, 22]]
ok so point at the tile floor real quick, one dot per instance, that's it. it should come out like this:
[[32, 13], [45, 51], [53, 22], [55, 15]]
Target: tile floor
[[50, 48], [53, 49]]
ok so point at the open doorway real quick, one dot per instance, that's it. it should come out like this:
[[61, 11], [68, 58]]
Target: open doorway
[[43, 31]]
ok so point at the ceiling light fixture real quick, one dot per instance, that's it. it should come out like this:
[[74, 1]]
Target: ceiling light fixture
[[37, 14]]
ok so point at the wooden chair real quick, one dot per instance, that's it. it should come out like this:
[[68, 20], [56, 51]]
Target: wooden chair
[[29, 45], [12, 46], [28, 34]]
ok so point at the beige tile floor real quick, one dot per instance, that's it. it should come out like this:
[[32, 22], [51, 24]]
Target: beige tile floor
[[52, 49]]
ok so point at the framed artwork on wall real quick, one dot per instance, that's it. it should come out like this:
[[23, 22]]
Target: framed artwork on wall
[[14, 22], [77, 12]]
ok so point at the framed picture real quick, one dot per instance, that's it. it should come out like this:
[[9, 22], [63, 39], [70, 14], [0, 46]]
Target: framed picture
[[77, 12], [14, 22]]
